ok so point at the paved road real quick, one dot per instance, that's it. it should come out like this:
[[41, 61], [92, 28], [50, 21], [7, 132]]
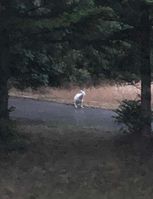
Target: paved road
[[62, 113]]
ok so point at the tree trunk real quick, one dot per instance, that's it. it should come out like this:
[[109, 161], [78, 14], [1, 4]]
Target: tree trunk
[[4, 74], [145, 32]]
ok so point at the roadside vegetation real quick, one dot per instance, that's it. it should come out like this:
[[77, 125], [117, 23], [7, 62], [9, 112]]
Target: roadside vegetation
[[106, 95], [72, 163]]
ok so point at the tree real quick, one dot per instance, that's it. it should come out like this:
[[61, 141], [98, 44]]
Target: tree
[[4, 60], [145, 39], [142, 28], [137, 16]]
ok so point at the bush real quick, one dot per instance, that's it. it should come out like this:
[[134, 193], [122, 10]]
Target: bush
[[129, 113], [82, 76]]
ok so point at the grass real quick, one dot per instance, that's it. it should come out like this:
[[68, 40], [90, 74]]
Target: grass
[[106, 96], [76, 163]]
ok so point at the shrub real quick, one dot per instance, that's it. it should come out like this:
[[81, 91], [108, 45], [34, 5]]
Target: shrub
[[129, 113], [82, 76]]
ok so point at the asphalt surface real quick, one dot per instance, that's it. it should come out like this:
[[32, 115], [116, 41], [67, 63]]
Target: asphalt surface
[[56, 113]]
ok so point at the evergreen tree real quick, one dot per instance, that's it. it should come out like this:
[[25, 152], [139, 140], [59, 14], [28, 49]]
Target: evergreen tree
[[140, 12]]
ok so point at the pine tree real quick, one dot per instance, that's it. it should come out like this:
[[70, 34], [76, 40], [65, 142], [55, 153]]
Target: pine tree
[[141, 32]]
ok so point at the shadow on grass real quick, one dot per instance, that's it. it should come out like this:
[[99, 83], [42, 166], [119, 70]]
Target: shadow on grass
[[72, 163]]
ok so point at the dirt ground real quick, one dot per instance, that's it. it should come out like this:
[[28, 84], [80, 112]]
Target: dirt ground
[[72, 163], [105, 96]]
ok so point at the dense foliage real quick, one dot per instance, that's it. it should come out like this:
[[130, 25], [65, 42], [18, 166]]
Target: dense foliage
[[70, 41]]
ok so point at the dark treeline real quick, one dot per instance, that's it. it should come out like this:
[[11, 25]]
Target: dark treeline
[[85, 46]]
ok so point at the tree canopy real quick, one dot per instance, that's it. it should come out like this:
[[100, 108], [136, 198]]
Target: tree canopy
[[70, 41]]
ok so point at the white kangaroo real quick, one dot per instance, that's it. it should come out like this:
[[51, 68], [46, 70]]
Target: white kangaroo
[[78, 99]]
